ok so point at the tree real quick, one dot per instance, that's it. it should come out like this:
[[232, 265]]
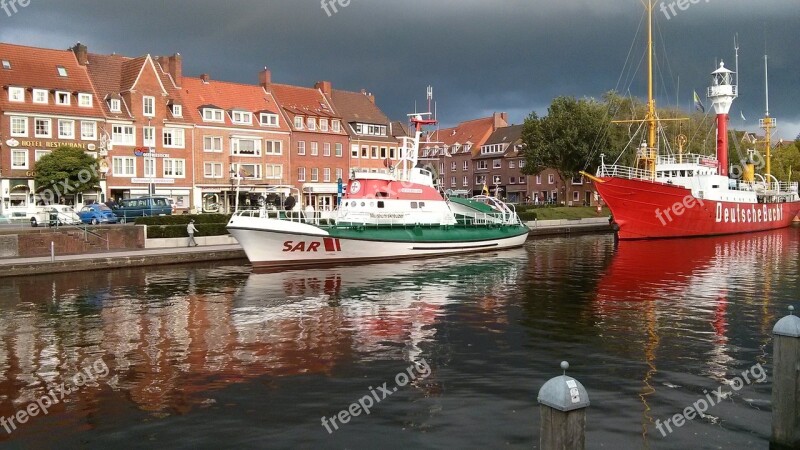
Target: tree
[[65, 171], [571, 137], [786, 161]]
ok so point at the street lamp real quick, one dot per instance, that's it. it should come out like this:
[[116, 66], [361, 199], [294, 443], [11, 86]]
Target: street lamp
[[233, 173]]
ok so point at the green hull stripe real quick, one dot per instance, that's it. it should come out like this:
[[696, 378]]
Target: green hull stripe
[[422, 234]]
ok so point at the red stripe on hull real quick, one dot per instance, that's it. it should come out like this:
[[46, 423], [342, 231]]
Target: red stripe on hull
[[646, 210]]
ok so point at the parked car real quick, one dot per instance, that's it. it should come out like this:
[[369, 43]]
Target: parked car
[[131, 208], [97, 213], [53, 215]]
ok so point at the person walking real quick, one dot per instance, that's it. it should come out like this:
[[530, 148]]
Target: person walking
[[191, 230]]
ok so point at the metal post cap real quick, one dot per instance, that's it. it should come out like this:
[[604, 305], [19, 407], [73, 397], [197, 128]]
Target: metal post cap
[[563, 393], [788, 326]]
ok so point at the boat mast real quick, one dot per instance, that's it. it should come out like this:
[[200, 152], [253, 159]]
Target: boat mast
[[767, 123], [646, 156]]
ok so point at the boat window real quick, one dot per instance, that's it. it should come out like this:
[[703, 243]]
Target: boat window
[[363, 204], [715, 186], [421, 204], [683, 173], [413, 205], [353, 204], [380, 204], [674, 173], [381, 194]]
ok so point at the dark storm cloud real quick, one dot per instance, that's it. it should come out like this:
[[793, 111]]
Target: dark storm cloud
[[509, 55]]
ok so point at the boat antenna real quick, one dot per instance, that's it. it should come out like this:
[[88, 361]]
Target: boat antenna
[[736, 47]]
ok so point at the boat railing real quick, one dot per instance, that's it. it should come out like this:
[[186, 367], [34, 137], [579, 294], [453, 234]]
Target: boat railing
[[618, 171], [317, 218]]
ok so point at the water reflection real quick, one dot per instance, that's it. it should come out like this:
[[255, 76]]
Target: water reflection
[[170, 335]]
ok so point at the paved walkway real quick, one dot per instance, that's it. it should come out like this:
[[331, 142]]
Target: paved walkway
[[122, 253]]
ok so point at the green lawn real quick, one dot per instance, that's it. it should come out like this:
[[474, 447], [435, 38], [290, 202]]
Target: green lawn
[[562, 212]]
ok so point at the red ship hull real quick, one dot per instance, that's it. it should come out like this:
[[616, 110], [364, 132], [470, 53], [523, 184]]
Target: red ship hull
[[649, 210]]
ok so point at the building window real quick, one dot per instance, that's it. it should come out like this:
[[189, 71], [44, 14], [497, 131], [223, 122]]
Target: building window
[[85, 100], [576, 196], [453, 166], [177, 110], [149, 167], [273, 171], [522, 180], [466, 165], [512, 180], [338, 174], [88, 130], [19, 159], [174, 168], [354, 151], [123, 166], [311, 123], [212, 170], [374, 152], [40, 96], [42, 128], [465, 181], [38, 154], [213, 115], [314, 174], [16, 94], [114, 105], [314, 148], [123, 135], [242, 117], [521, 163], [497, 164], [19, 126], [497, 179], [149, 136], [365, 152], [326, 175], [301, 174], [62, 98], [298, 122], [511, 164], [247, 147], [66, 129], [212, 144], [452, 181], [392, 153], [482, 165], [336, 126], [248, 170], [326, 149], [173, 137], [323, 124], [6, 64], [269, 120], [538, 179], [274, 148], [301, 147], [62, 72], [551, 178], [338, 150]]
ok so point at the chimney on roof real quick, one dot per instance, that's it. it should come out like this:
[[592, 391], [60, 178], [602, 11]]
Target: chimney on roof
[[175, 64], [81, 53], [205, 77], [265, 79], [324, 86], [369, 96], [500, 120]]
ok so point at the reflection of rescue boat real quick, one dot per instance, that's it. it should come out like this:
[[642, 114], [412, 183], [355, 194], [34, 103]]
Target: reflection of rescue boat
[[394, 215]]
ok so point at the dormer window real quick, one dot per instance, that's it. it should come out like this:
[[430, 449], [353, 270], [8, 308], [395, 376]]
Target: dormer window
[[85, 100], [62, 98], [6, 64], [336, 126], [242, 117], [149, 106], [212, 115], [323, 124], [16, 94], [298, 122], [40, 96], [269, 120], [114, 105], [177, 111], [311, 123], [62, 72]]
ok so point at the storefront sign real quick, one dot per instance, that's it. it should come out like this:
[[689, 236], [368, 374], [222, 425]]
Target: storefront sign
[[145, 152], [42, 144], [12, 142], [153, 180]]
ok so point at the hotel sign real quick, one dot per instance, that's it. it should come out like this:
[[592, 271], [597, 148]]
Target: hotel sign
[[42, 144]]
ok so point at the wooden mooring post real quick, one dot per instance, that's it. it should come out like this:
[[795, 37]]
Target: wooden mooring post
[[786, 383], [563, 401]]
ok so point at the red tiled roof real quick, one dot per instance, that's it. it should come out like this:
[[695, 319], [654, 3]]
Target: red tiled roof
[[297, 100], [357, 107], [196, 94], [475, 132], [33, 67], [106, 72]]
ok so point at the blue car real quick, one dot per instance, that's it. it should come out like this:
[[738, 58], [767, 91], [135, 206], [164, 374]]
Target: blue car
[[97, 213]]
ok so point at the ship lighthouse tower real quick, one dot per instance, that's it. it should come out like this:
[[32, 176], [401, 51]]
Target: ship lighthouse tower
[[722, 94]]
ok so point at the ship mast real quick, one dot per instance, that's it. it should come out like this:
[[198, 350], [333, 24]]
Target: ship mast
[[767, 123], [651, 102]]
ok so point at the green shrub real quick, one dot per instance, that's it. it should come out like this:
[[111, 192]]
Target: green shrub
[[179, 231], [527, 216], [183, 219]]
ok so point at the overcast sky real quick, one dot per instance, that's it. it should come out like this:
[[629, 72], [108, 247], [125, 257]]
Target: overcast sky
[[480, 56]]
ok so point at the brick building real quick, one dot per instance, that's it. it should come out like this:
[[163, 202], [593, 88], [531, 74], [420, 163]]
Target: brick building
[[46, 100]]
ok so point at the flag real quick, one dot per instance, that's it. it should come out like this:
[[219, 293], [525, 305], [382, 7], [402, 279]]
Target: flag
[[697, 103], [742, 113], [485, 189]]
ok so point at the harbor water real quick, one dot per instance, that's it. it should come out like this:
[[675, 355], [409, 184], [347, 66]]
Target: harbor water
[[450, 352]]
